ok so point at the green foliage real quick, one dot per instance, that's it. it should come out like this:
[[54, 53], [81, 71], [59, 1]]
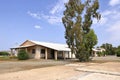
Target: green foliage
[[110, 50], [3, 53], [104, 53], [22, 55], [101, 53], [77, 21], [83, 56], [91, 40], [118, 54], [117, 51]]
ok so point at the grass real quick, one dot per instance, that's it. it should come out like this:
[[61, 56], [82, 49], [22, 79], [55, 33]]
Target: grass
[[5, 58]]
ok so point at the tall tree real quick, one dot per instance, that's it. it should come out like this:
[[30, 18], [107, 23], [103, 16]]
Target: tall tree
[[77, 20]]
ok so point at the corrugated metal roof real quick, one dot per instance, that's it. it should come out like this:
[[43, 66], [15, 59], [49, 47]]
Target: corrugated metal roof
[[98, 49], [22, 46], [56, 46]]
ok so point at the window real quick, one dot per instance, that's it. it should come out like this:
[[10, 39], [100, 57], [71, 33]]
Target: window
[[33, 51], [43, 51]]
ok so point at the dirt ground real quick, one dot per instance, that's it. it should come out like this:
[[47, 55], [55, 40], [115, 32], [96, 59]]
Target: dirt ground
[[62, 70], [13, 66]]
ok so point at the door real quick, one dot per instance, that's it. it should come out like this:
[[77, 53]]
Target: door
[[52, 53]]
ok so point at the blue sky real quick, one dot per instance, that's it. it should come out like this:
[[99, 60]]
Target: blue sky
[[40, 20]]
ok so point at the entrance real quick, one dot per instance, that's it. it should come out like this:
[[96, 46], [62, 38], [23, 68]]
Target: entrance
[[52, 53]]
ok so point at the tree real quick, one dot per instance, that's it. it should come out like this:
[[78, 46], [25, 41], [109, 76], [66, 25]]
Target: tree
[[110, 50], [91, 40], [117, 51], [4, 53], [77, 20]]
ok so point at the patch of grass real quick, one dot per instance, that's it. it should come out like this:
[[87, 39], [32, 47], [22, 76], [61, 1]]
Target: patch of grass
[[13, 57], [4, 58]]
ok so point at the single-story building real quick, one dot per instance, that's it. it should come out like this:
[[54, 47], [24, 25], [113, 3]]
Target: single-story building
[[44, 50], [95, 50]]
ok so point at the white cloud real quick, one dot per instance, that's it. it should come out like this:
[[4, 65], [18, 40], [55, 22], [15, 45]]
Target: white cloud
[[108, 16], [37, 27], [115, 27], [54, 16], [116, 15], [59, 7], [106, 13], [102, 21], [104, 17], [56, 12], [52, 19], [112, 24], [114, 30], [109, 31], [114, 2], [34, 15]]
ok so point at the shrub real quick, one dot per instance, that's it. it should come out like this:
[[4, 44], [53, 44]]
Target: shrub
[[22, 55], [99, 54], [118, 53], [4, 53]]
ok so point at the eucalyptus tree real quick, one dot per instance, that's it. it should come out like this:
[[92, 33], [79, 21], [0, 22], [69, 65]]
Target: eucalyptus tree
[[78, 18]]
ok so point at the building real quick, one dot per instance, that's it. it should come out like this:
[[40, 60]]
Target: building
[[44, 50], [96, 50]]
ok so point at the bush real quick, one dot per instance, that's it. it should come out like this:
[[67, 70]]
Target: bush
[[118, 54], [101, 53], [22, 55], [4, 53]]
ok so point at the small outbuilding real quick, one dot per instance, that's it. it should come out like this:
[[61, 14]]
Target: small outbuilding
[[96, 50]]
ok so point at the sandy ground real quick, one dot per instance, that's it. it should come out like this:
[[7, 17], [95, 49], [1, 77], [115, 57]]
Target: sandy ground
[[66, 71], [97, 76], [48, 73], [109, 66], [13, 66]]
